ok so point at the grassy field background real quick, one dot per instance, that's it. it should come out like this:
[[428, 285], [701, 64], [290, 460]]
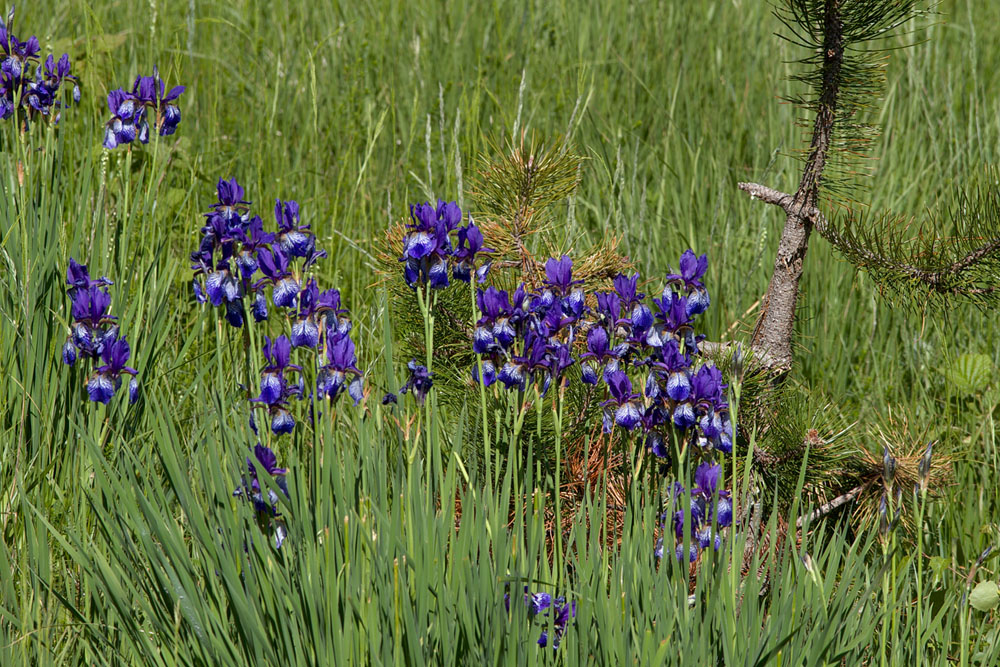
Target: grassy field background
[[121, 540]]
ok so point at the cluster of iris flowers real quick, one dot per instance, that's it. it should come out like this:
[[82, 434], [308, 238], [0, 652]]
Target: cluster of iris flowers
[[132, 111], [233, 249], [236, 266], [541, 605], [643, 354], [35, 93], [644, 357], [94, 336], [525, 337], [428, 251]]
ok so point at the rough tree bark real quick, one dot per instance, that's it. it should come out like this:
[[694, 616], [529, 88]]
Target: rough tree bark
[[772, 337]]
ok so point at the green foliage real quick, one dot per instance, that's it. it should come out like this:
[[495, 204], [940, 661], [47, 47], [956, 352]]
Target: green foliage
[[121, 541], [971, 373], [985, 596]]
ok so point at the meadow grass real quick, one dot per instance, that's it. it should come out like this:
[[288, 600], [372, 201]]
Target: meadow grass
[[122, 543]]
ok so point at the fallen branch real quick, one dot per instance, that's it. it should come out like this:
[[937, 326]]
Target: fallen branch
[[826, 508]]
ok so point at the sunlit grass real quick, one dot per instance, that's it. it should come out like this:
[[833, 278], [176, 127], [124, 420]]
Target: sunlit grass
[[122, 543]]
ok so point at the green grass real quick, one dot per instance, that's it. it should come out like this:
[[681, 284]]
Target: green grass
[[121, 541]]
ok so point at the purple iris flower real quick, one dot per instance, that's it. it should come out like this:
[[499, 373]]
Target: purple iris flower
[[657, 445], [419, 382], [232, 208], [628, 411], [168, 113], [121, 129], [252, 239], [91, 306], [559, 275], [78, 277], [684, 416], [312, 304], [574, 307], [266, 509], [692, 552], [537, 602], [609, 306], [94, 334], [69, 353], [627, 290], [427, 245], [675, 365], [259, 306], [708, 505], [6, 98], [699, 407], [16, 54], [692, 269], [541, 605], [41, 94], [294, 239], [275, 387], [148, 91], [494, 324], [273, 383], [333, 378], [470, 244], [89, 309], [642, 318], [707, 384], [562, 612], [305, 330], [489, 372], [673, 312], [144, 95], [706, 478], [55, 74], [222, 285], [422, 240], [599, 349], [107, 378], [274, 265], [513, 374]]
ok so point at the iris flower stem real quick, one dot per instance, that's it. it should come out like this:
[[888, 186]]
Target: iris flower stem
[[558, 418], [426, 301], [680, 461], [734, 567], [247, 360], [25, 274], [152, 170], [482, 386], [128, 187]]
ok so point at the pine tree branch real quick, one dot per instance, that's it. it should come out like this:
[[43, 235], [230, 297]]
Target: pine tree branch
[[939, 280], [944, 281]]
